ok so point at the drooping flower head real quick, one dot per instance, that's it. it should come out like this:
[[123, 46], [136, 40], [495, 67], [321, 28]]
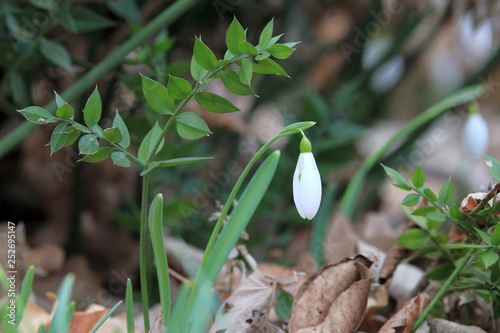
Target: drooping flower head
[[306, 182]]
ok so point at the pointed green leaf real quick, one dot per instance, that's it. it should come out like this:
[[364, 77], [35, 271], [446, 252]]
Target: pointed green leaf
[[73, 135], [235, 36], [81, 128], [37, 115], [178, 88], [59, 100], [429, 195], [233, 83], [118, 122], [418, 177], [413, 239], [197, 72], [445, 194], [203, 55], [283, 305], [59, 138], [157, 96], [436, 217], [191, 126], [490, 257], [93, 109], [56, 54], [215, 103], [222, 63], [493, 166], [113, 134], [396, 177], [120, 158], [495, 236], [173, 162], [263, 55], [411, 200], [147, 144], [246, 71], [248, 48], [484, 236], [88, 144], [102, 154], [268, 66], [265, 35], [65, 111], [280, 51]]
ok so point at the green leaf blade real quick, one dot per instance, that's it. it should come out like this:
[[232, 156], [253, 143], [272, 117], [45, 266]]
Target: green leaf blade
[[93, 109], [113, 134], [266, 35], [120, 124], [88, 144], [157, 96], [37, 115], [65, 112], [268, 66], [203, 55], [99, 156], [178, 88], [445, 194], [232, 82], [418, 177], [191, 126], [413, 239], [120, 159], [235, 36], [215, 103]]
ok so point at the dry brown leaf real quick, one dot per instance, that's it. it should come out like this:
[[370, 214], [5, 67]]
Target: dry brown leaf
[[445, 326], [83, 322], [340, 241], [248, 307], [336, 295], [404, 319]]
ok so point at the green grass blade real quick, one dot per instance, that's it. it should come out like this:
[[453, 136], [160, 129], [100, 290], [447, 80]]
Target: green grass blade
[[60, 321], [129, 307], [351, 195], [179, 306], [24, 294], [156, 232], [240, 216], [106, 316]]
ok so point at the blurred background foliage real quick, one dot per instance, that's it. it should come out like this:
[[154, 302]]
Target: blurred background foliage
[[359, 64]]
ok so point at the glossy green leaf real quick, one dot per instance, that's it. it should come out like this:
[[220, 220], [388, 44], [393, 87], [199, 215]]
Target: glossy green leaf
[[445, 194], [88, 144], [178, 88], [173, 162], [65, 111], [118, 122], [493, 166], [266, 35], [197, 72], [93, 109], [235, 36], [38, 115], [203, 55], [59, 138], [418, 177], [495, 235], [232, 82], [120, 158], [157, 96], [411, 200], [147, 145], [113, 134], [413, 239], [248, 48], [56, 54], [102, 154], [215, 103], [191, 126], [280, 51], [489, 257], [268, 66]]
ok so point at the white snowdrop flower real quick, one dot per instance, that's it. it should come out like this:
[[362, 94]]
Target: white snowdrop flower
[[388, 74], [475, 134], [306, 182]]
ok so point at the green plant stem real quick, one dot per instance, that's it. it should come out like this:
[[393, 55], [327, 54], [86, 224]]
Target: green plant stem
[[460, 265], [351, 195], [145, 261], [100, 70]]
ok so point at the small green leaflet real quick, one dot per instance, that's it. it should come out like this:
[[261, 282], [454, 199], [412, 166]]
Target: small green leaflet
[[418, 177], [56, 54], [65, 111], [235, 36], [119, 158], [203, 55], [265, 35], [215, 103], [93, 109], [413, 239], [191, 126], [280, 51], [59, 138], [157, 96], [88, 144], [493, 166], [197, 72], [102, 154], [268, 66], [147, 145], [232, 82], [113, 134], [178, 88], [37, 115], [120, 124]]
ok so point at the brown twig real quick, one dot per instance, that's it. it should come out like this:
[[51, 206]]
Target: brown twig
[[485, 200]]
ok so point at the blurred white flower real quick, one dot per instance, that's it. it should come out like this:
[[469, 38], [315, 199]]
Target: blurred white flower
[[306, 182], [475, 134]]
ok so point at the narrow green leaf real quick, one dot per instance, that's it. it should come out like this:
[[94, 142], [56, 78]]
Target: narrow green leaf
[[88, 144], [73, 135], [430, 195], [268, 66], [120, 158], [93, 109], [436, 217], [156, 227], [265, 35], [489, 257], [113, 134], [37, 115], [493, 166], [65, 111], [59, 100], [61, 321], [191, 126], [173, 162], [396, 177], [232, 82], [157, 96], [418, 177], [147, 144], [280, 51], [56, 54], [178, 88], [203, 55], [246, 71], [81, 128], [129, 307], [411, 200], [197, 72], [263, 55], [235, 36], [484, 236], [24, 294], [248, 48], [424, 210], [59, 138], [222, 63], [118, 122], [413, 239], [99, 156], [445, 194], [105, 317], [215, 103], [495, 235]]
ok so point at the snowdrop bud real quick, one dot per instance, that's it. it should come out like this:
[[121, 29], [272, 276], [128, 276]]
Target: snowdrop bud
[[306, 182], [475, 133]]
